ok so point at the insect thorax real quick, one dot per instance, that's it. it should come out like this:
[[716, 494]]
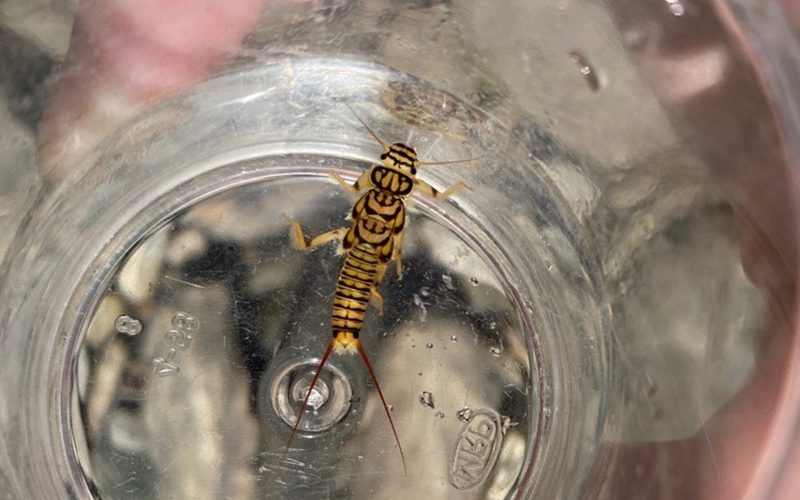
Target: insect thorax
[[391, 181], [378, 203]]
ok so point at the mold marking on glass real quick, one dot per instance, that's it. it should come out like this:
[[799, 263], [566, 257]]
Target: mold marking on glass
[[128, 325], [477, 449], [179, 337], [374, 238], [331, 401]]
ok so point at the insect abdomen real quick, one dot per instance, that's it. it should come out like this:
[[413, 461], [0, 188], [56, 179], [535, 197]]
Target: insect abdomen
[[353, 290]]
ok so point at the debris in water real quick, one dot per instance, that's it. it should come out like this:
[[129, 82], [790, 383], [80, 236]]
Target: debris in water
[[465, 414], [426, 398]]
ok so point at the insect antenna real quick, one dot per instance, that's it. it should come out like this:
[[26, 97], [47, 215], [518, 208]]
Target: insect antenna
[[385, 407], [449, 162], [380, 141], [308, 394]]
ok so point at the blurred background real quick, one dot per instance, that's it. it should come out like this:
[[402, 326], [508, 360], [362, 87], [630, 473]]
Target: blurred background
[[648, 150]]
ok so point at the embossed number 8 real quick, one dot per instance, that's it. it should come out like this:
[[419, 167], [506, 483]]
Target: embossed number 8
[[180, 339], [128, 325], [184, 322]]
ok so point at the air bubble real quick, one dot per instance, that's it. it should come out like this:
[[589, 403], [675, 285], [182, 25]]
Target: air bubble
[[496, 351], [474, 281], [429, 345], [454, 338], [426, 398]]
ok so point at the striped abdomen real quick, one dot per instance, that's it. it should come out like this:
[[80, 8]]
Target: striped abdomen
[[353, 291]]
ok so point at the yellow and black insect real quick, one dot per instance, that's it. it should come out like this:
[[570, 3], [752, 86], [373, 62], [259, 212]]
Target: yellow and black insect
[[373, 240]]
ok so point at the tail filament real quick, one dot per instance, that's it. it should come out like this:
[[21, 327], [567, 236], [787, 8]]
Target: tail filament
[[377, 386], [308, 395], [385, 407]]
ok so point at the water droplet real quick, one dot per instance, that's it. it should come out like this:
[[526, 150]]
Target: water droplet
[[465, 414], [426, 398], [474, 281], [496, 351], [590, 75], [429, 345], [454, 338], [676, 8], [439, 414]]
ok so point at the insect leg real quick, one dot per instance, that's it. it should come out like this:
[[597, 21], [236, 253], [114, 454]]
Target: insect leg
[[375, 296], [377, 300], [398, 244], [361, 182], [431, 191], [299, 238]]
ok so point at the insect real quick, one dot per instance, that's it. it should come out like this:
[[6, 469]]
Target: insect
[[374, 238]]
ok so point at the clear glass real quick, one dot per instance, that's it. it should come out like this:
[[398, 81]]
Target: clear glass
[[610, 313]]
